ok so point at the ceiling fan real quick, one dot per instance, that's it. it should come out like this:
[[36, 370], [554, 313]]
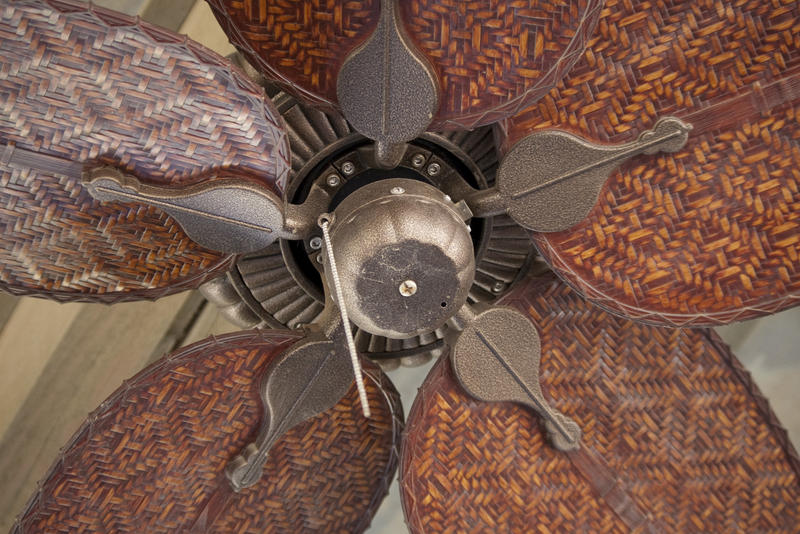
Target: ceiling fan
[[647, 149]]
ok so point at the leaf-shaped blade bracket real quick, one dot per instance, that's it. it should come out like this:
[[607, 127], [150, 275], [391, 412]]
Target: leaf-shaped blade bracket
[[550, 180], [227, 215], [386, 88], [310, 378], [496, 359]]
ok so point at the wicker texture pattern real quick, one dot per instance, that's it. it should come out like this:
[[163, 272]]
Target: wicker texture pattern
[[710, 234], [676, 437], [94, 86], [492, 57], [151, 458]]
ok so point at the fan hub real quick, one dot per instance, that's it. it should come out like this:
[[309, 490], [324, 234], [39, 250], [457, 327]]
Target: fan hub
[[404, 255]]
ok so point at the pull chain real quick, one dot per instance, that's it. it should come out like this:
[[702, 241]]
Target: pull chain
[[351, 345]]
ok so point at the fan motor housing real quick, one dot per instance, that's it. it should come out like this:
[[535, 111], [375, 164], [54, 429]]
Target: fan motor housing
[[404, 255]]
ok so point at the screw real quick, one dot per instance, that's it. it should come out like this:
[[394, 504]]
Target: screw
[[348, 168], [408, 288], [418, 160], [315, 243], [498, 287], [433, 169], [397, 190], [332, 180], [319, 258]]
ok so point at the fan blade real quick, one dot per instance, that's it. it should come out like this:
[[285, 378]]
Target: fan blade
[[489, 58], [90, 87], [152, 458], [709, 234], [676, 436]]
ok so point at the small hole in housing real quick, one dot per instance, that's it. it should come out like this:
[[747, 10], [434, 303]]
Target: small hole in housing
[[444, 304]]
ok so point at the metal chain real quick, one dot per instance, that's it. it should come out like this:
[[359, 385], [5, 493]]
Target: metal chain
[[351, 345]]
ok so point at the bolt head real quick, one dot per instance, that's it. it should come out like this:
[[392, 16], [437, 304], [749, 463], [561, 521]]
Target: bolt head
[[348, 168], [408, 288], [315, 243], [433, 169], [333, 180], [418, 160]]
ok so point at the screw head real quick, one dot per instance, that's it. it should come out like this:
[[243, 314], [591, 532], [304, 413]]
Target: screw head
[[348, 168], [433, 169], [418, 160], [320, 258], [397, 190], [333, 180], [315, 243], [498, 287], [408, 288]]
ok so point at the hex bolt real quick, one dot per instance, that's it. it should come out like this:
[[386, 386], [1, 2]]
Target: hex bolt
[[433, 169], [315, 243], [333, 180], [397, 190], [348, 168], [418, 160], [408, 288]]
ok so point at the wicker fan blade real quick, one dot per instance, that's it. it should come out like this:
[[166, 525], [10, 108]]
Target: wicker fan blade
[[152, 458], [81, 86], [710, 233], [510, 53], [676, 437]]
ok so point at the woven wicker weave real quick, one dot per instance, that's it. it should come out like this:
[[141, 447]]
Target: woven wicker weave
[[90, 85], [492, 57], [676, 437], [151, 458], [710, 234]]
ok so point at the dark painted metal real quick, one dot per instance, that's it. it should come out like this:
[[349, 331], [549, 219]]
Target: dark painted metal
[[386, 88], [551, 179], [310, 378], [496, 358]]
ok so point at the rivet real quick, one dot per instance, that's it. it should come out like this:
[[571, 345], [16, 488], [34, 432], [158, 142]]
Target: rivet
[[333, 180], [408, 288], [433, 169], [348, 168], [315, 243], [397, 190]]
